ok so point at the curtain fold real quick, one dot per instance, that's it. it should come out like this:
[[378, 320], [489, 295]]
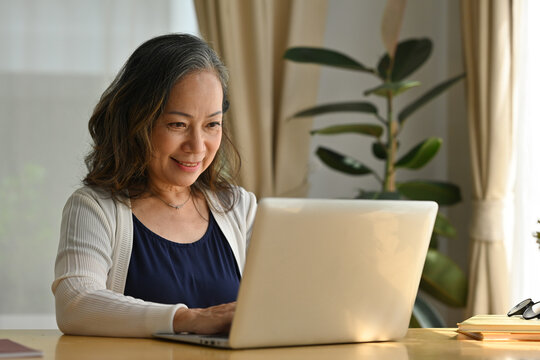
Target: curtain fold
[[487, 40], [265, 90]]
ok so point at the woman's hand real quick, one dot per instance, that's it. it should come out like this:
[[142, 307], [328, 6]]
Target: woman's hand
[[212, 320]]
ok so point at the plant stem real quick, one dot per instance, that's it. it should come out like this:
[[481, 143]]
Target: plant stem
[[389, 183]]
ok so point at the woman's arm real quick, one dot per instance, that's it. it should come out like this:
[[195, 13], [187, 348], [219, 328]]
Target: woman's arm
[[84, 305]]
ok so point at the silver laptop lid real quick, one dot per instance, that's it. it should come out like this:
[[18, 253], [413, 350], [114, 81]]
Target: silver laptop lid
[[331, 271]]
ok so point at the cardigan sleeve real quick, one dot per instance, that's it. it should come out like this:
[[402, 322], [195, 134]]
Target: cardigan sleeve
[[84, 305]]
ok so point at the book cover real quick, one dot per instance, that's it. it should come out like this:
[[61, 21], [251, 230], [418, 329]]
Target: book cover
[[12, 349], [499, 323]]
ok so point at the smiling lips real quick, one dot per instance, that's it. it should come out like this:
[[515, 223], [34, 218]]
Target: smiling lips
[[187, 166]]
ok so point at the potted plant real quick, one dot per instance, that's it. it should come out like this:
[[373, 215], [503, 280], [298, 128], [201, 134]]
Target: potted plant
[[441, 277]]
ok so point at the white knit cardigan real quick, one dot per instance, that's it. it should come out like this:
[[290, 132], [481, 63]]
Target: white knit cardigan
[[91, 267]]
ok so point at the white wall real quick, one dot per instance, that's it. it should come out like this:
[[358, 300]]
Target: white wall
[[353, 27]]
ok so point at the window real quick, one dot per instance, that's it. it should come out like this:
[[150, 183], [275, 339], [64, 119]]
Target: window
[[57, 58], [523, 252]]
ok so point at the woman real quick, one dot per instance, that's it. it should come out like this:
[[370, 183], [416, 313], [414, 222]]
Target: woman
[[155, 241]]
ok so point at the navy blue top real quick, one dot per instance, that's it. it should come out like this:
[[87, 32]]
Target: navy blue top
[[199, 274]]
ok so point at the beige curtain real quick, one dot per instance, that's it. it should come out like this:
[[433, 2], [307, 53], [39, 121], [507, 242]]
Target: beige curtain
[[251, 37], [487, 39]]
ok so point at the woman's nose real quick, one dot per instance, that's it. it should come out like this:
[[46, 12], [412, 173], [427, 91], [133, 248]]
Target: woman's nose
[[195, 142]]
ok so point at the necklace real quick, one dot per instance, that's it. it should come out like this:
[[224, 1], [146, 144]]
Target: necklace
[[177, 207]]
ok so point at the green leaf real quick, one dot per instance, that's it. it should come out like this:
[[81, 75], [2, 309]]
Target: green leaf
[[395, 88], [376, 195], [441, 192], [428, 96], [444, 280], [362, 106], [443, 227], [323, 56], [342, 163], [379, 150], [421, 154], [365, 129], [410, 55]]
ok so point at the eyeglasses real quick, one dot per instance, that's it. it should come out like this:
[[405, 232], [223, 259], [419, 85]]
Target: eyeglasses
[[527, 309]]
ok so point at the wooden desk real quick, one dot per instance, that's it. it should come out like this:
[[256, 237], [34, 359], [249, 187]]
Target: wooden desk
[[418, 344]]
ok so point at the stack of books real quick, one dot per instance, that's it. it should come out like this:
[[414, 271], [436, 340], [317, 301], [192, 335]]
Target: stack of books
[[500, 327]]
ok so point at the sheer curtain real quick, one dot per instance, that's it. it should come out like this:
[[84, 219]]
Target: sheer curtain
[[524, 257], [487, 28], [57, 58]]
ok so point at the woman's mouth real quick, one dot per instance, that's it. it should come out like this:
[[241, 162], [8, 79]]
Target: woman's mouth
[[187, 165]]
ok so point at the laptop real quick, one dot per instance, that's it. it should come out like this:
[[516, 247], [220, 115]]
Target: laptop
[[322, 271]]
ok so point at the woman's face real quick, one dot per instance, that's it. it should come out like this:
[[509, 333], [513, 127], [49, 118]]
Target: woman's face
[[188, 133]]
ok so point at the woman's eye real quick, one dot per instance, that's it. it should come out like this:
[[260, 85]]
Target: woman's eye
[[214, 124], [177, 125]]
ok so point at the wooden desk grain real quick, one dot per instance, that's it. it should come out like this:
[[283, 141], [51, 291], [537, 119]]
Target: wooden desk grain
[[444, 344]]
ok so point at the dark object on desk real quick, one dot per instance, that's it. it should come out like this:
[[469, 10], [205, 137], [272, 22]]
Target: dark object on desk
[[532, 311], [527, 309], [11, 349], [520, 308]]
